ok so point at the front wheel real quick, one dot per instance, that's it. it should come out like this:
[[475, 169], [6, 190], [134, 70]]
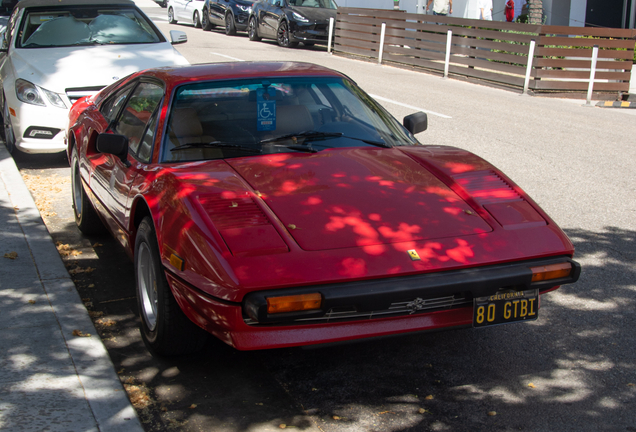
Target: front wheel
[[9, 137], [283, 37], [196, 20], [86, 217], [205, 21], [165, 329], [230, 28], [171, 19], [252, 30]]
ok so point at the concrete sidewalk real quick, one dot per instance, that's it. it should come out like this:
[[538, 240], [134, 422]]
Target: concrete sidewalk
[[50, 378]]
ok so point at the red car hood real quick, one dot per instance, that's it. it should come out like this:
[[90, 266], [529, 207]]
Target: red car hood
[[343, 198]]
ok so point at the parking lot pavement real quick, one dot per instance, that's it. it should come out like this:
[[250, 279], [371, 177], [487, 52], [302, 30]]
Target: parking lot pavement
[[55, 373]]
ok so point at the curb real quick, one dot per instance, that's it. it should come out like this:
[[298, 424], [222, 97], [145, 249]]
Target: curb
[[103, 391], [615, 104]]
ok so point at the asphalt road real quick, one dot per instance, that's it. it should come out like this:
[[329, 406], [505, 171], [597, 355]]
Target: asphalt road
[[572, 370]]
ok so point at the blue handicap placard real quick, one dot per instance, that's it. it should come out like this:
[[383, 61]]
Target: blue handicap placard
[[266, 106]]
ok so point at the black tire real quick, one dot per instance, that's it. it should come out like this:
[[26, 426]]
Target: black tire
[[252, 30], [230, 28], [165, 329], [205, 21], [86, 217], [309, 44], [171, 19], [7, 128], [196, 20], [283, 37]]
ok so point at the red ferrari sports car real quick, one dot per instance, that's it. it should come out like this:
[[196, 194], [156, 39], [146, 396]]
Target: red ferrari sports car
[[277, 204]]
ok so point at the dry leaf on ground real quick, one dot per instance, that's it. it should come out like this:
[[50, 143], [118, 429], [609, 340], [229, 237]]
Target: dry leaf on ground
[[80, 333], [11, 255], [138, 396]]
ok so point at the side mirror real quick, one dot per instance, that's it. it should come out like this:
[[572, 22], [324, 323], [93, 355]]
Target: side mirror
[[113, 144], [178, 37], [416, 122]]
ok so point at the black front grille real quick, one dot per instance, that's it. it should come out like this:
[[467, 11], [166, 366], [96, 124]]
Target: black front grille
[[74, 94], [411, 307]]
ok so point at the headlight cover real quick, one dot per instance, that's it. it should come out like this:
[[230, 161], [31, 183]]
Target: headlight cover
[[54, 98], [244, 8], [29, 93], [299, 17]]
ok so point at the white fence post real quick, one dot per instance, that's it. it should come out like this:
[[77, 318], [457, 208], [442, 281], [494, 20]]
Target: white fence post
[[529, 67], [590, 87], [382, 33], [449, 36], [331, 22]]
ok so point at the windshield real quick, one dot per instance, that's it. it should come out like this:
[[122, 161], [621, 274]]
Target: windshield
[[326, 4], [216, 120], [84, 25]]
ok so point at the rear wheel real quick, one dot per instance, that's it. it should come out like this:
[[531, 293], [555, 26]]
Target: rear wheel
[[171, 19], [7, 129], [283, 36], [308, 44], [85, 215], [230, 28], [165, 329], [196, 20], [252, 30]]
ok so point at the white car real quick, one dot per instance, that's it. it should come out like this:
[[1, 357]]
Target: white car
[[188, 11], [53, 53]]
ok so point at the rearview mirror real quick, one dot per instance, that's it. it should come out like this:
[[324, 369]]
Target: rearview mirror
[[416, 122], [113, 144]]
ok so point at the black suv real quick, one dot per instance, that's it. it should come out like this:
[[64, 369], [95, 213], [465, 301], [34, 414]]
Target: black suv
[[231, 14]]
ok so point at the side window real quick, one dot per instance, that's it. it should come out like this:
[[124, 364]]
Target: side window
[[145, 148], [112, 106], [137, 113]]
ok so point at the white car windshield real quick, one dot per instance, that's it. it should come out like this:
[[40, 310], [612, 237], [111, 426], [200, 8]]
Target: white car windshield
[[84, 26]]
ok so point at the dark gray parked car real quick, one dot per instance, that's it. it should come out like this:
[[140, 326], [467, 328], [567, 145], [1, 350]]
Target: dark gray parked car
[[292, 21], [233, 15]]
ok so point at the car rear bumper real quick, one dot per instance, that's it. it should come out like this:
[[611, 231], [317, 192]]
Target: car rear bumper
[[361, 309]]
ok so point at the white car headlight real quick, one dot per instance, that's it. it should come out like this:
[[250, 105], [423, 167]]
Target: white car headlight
[[28, 92], [245, 8], [299, 17], [54, 98]]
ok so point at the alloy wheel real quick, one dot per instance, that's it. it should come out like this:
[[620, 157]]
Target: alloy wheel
[[147, 285]]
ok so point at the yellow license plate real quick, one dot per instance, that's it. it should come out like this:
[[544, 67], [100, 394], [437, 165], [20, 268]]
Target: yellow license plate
[[506, 307]]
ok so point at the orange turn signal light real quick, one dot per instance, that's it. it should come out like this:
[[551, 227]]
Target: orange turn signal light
[[294, 303], [552, 271]]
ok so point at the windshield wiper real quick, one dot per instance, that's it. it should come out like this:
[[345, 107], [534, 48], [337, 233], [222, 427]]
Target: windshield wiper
[[216, 144], [305, 134], [302, 148], [324, 136]]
